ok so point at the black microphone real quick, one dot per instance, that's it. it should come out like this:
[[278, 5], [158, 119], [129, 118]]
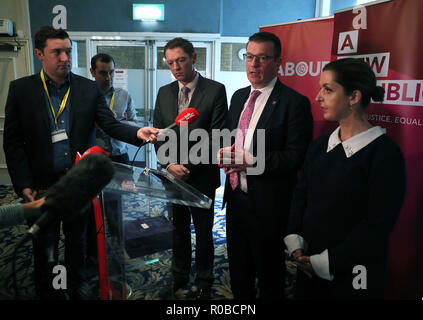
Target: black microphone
[[74, 190]]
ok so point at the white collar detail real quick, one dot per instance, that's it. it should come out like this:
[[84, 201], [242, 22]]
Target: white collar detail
[[355, 143], [267, 88]]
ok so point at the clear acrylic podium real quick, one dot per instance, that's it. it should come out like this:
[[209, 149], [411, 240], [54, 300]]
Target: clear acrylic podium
[[137, 232]]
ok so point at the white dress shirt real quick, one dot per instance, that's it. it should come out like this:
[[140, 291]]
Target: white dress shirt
[[258, 109]]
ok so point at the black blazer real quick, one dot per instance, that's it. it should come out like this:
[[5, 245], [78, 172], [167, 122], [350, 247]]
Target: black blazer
[[209, 99], [27, 133], [288, 125]]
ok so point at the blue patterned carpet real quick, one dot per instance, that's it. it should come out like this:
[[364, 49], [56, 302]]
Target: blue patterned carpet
[[144, 282], [147, 281]]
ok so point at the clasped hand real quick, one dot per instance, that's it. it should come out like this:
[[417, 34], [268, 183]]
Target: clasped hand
[[233, 159], [179, 171], [303, 262]]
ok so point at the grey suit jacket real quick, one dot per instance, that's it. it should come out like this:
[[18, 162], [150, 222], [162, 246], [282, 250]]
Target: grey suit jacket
[[209, 99]]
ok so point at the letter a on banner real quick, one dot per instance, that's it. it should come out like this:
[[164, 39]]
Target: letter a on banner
[[347, 42]]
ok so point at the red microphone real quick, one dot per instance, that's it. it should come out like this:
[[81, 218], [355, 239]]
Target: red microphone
[[92, 150], [185, 118]]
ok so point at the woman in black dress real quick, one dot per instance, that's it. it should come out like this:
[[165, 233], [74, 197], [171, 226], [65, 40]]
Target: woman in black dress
[[350, 194]]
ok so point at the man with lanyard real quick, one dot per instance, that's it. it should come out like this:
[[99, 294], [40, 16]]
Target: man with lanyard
[[119, 101], [50, 117]]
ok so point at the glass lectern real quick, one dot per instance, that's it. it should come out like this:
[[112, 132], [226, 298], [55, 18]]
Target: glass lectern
[[138, 231]]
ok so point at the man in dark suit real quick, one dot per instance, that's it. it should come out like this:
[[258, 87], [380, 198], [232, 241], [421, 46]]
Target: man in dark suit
[[50, 116], [269, 113], [209, 98]]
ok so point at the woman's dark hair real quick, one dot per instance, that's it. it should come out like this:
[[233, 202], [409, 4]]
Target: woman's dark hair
[[355, 74]]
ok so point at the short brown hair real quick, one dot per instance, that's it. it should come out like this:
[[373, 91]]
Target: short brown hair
[[48, 32], [180, 43], [103, 57], [268, 37]]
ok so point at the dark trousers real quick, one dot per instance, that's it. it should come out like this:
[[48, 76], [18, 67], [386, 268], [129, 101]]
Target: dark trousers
[[253, 251], [46, 252], [92, 252], [204, 247]]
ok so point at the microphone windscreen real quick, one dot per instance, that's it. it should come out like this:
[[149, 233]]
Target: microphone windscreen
[[187, 117], [79, 186]]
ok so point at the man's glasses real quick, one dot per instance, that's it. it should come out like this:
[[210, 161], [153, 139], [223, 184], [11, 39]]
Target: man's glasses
[[261, 58]]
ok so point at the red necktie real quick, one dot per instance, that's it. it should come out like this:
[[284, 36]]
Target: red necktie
[[244, 122]]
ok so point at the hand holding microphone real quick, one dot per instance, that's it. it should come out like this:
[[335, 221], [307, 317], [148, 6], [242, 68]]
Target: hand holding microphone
[[185, 118], [148, 134]]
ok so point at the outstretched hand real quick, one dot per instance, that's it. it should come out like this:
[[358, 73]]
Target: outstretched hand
[[148, 134]]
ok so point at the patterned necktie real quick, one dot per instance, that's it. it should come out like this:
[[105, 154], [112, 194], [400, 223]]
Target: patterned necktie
[[244, 122], [183, 100]]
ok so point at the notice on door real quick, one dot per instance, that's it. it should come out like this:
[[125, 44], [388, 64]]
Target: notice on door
[[121, 79]]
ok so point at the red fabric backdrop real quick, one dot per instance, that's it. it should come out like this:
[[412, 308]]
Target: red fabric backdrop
[[306, 48], [387, 37]]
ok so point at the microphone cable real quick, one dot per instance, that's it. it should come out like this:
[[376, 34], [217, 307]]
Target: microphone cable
[[133, 160]]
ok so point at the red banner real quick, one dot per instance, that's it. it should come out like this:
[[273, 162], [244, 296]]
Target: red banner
[[387, 36], [305, 51]]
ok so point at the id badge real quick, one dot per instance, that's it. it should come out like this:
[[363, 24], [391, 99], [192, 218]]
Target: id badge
[[59, 135]]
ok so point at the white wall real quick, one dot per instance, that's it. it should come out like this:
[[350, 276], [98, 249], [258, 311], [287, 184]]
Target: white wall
[[13, 64]]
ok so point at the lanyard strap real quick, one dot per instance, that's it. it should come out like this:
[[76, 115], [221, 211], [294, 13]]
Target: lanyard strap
[[62, 105], [112, 101]]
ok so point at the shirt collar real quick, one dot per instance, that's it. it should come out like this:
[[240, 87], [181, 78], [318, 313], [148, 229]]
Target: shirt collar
[[355, 143], [110, 91], [50, 82], [269, 86], [192, 84]]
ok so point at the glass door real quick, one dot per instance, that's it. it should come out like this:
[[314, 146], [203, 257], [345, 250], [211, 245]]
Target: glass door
[[141, 69], [132, 74]]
